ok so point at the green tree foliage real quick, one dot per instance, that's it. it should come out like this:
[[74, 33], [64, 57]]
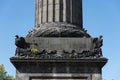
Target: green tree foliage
[[3, 74]]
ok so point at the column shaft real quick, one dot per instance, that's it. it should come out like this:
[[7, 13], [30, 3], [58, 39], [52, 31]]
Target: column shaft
[[57, 10], [61, 10], [37, 13], [50, 10], [77, 12], [44, 11], [68, 11], [39, 7], [64, 11]]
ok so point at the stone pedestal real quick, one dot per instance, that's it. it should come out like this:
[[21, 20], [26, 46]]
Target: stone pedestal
[[60, 59], [58, 69], [58, 48]]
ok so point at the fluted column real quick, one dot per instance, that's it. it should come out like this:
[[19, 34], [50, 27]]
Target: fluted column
[[68, 11], [39, 5], [64, 10], [52, 11], [76, 12], [57, 10], [37, 13], [44, 19]]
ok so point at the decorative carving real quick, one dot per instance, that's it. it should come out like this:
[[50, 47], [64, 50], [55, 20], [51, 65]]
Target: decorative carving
[[96, 53], [22, 52], [25, 49], [20, 42], [97, 44], [58, 31], [22, 46]]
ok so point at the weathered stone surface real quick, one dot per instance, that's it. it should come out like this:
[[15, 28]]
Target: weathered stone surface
[[61, 48], [58, 18], [47, 69], [67, 44], [58, 48], [80, 61], [58, 30], [68, 11]]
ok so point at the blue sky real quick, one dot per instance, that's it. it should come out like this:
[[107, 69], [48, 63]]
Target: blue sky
[[100, 17]]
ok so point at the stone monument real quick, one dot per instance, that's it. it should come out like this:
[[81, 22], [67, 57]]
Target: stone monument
[[58, 48]]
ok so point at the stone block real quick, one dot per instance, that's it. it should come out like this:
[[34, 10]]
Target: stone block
[[58, 69], [61, 44]]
